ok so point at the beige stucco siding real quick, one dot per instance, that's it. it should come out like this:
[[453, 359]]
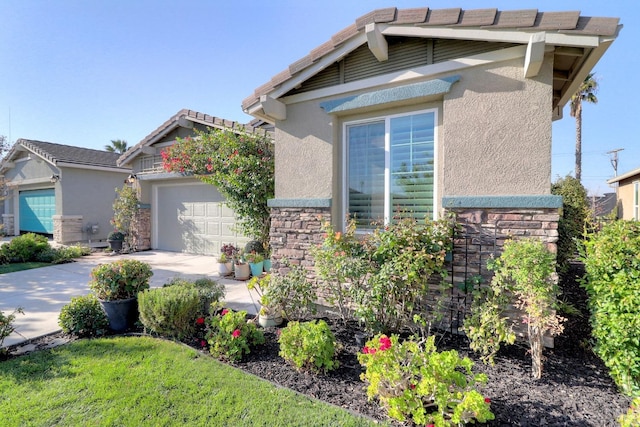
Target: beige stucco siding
[[626, 198], [496, 133], [304, 146]]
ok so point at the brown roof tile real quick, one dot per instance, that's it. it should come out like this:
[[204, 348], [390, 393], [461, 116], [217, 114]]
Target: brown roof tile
[[443, 16], [515, 18], [282, 76], [556, 20], [301, 64], [379, 15], [322, 50], [477, 17], [345, 34], [411, 16], [596, 26]]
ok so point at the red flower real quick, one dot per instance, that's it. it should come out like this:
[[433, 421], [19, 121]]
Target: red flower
[[224, 312], [236, 333], [385, 343], [430, 425], [412, 386], [487, 400], [203, 343], [200, 320], [368, 350]]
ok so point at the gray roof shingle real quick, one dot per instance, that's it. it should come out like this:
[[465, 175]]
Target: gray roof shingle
[[59, 153]]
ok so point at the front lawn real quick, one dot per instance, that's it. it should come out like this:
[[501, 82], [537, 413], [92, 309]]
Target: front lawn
[[133, 381]]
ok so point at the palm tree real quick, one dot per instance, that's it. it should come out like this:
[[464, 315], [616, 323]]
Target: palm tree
[[586, 92], [116, 146]]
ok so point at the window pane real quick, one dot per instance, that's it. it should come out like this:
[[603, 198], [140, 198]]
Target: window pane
[[412, 165], [366, 172]]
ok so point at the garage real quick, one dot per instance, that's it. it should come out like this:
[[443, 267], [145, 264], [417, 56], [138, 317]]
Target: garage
[[192, 218], [37, 208]]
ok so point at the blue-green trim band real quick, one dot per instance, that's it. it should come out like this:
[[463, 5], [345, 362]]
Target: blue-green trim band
[[299, 203], [385, 96], [538, 201], [144, 206]]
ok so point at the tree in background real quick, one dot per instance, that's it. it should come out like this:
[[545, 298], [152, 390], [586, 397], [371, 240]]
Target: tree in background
[[587, 93], [241, 166], [573, 221], [116, 146]]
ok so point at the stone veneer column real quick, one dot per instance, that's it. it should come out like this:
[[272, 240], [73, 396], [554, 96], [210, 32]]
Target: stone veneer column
[[296, 225], [68, 229], [8, 224], [142, 227]]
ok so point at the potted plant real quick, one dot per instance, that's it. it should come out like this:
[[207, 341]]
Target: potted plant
[[115, 239], [267, 261], [242, 270], [224, 265], [116, 285], [270, 312], [256, 263]]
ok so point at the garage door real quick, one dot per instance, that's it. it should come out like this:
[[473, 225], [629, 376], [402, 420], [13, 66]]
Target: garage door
[[193, 219], [37, 208]]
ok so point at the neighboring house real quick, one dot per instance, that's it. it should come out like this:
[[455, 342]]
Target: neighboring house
[[628, 193], [428, 111], [180, 213], [59, 190]]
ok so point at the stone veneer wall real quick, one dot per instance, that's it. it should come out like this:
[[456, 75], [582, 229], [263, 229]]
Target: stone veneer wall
[[293, 231], [67, 228], [142, 228], [8, 224]]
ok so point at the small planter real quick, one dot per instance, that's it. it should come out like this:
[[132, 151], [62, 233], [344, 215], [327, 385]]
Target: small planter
[[242, 271], [269, 320], [256, 268], [115, 245], [225, 268], [267, 265], [121, 313]]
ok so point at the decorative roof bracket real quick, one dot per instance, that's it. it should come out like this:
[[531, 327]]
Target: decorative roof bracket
[[377, 43], [535, 55]]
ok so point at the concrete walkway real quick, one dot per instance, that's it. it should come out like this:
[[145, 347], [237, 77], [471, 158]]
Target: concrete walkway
[[42, 292]]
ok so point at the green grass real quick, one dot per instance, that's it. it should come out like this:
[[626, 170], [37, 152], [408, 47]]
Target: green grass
[[140, 381], [19, 266]]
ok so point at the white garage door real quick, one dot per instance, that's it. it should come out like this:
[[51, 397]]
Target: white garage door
[[193, 218]]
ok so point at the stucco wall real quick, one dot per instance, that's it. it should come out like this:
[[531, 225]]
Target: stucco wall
[[496, 133], [625, 198]]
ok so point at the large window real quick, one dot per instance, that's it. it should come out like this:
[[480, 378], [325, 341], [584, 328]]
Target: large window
[[390, 168]]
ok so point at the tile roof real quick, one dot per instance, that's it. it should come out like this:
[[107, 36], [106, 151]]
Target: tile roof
[[174, 121], [528, 20], [59, 153]]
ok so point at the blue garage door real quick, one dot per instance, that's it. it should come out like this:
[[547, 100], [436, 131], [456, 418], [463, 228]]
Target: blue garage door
[[37, 208]]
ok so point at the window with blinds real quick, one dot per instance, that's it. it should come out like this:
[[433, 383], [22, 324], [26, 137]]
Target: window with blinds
[[390, 168]]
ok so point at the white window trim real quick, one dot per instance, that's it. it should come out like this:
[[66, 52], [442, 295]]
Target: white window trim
[[636, 200], [387, 158]]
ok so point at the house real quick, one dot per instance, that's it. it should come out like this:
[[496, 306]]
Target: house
[[426, 111], [60, 190], [628, 193], [178, 212]]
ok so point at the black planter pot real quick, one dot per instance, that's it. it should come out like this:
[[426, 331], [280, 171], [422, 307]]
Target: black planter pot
[[115, 245], [121, 313]]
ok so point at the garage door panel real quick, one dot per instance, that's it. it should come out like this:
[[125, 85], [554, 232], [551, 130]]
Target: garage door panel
[[37, 208], [193, 218]]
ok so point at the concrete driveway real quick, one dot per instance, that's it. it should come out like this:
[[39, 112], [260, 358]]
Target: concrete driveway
[[42, 292]]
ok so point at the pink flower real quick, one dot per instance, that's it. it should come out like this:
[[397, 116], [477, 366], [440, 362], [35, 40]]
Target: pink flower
[[487, 400], [225, 311], [200, 320], [430, 425], [385, 343], [412, 386], [236, 333], [203, 343]]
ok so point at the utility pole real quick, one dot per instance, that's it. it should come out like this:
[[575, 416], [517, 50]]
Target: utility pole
[[614, 160]]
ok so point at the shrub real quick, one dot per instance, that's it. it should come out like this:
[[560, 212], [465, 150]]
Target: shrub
[[572, 223], [254, 246], [120, 279], [170, 311], [296, 294], [309, 345], [25, 248], [62, 254], [83, 317], [230, 336], [407, 261], [632, 417], [417, 382], [210, 292], [6, 326], [612, 281], [524, 275]]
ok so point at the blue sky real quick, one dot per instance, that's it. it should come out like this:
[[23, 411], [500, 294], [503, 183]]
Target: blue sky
[[83, 72]]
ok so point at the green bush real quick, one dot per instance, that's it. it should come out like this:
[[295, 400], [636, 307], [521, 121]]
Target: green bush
[[210, 292], [6, 325], [524, 277], [416, 382], [83, 317], [612, 281], [63, 254], [309, 345], [296, 294], [170, 311], [120, 279], [572, 223], [632, 417], [25, 248], [230, 336]]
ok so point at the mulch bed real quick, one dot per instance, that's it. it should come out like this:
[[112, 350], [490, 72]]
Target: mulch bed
[[575, 389]]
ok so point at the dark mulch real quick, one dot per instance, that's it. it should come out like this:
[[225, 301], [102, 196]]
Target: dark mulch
[[575, 389]]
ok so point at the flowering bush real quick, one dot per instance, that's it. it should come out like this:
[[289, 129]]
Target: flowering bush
[[309, 345], [230, 336], [83, 317], [417, 382], [120, 279], [241, 166]]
